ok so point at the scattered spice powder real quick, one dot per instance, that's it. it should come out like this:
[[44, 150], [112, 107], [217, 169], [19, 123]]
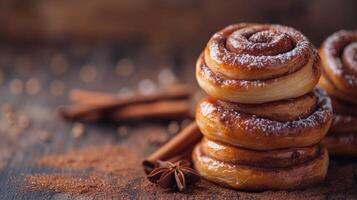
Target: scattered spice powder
[[112, 167], [92, 185], [105, 159]]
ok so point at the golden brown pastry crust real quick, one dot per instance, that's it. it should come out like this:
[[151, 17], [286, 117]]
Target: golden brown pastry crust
[[338, 54], [244, 61], [258, 133], [266, 159], [254, 178]]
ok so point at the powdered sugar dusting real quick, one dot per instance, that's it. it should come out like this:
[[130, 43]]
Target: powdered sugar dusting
[[252, 123], [243, 53]]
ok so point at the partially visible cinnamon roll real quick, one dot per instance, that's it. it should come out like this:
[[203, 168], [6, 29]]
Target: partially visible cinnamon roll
[[339, 59], [258, 63]]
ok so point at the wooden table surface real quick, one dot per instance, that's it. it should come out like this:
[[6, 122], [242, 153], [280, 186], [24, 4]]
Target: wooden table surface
[[18, 151]]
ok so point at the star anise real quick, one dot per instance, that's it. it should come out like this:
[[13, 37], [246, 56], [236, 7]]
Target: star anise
[[176, 175]]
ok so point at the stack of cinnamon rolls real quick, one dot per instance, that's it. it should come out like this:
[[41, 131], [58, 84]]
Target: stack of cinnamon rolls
[[263, 122], [339, 79]]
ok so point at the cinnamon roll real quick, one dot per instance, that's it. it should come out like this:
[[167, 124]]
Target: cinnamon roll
[[263, 123], [242, 62], [339, 59], [225, 123]]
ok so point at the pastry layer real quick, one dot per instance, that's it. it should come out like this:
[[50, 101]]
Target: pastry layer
[[266, 159], [287, 86], [283, 110], [244, 177], [249, 131]]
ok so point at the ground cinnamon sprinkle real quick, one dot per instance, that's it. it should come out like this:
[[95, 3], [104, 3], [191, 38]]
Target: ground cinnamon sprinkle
[[105, 159], [111, 168], [87, 186]]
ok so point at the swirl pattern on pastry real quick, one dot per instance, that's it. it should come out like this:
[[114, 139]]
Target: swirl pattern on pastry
[[339, 59], [254, 132], [241, 62]]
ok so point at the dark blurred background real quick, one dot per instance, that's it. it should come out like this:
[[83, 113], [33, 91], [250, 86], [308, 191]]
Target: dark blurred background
[[151, 33], [164, 23]]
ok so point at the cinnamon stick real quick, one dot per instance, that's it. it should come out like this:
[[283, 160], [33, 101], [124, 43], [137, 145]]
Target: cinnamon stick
[[177, 146], [80, 96], [174, 109], [157, 110], [93, 101], [185, 155]]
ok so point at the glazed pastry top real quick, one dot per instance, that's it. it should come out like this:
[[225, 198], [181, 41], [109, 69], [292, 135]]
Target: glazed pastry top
[[257, 51]]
